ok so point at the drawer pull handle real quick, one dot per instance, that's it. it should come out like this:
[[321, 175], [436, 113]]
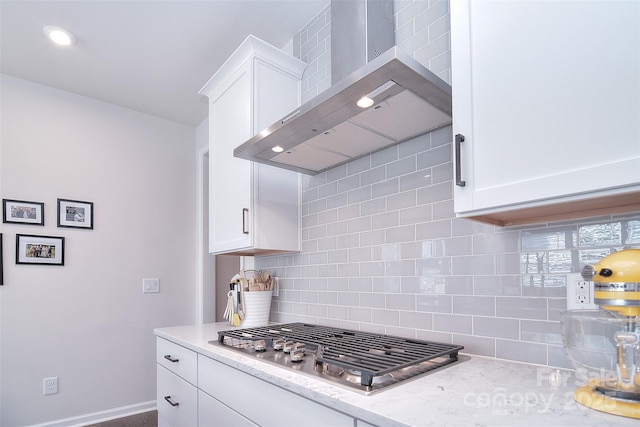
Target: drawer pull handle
[[168, 399], [171, 359]]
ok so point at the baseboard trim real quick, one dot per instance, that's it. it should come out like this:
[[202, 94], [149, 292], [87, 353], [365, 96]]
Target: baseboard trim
[[98, 417]]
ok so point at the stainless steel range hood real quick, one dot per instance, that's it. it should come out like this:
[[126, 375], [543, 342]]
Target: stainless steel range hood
[[331, 129]]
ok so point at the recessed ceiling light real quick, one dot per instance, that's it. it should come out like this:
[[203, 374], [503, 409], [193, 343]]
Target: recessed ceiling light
[[277, 149], [365, 102], [59, 35]]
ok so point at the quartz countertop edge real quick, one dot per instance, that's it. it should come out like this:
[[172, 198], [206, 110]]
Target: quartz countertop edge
[[480, 391]]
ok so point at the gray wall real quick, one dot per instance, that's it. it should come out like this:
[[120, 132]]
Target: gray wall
[[88, 322], [384, 252]]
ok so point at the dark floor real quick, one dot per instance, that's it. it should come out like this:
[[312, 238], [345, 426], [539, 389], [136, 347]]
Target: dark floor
[[146, 419]]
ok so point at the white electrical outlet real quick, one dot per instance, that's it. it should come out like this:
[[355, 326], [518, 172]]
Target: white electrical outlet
[[579, 293], [150, 285], [276, 287], [50, 385]]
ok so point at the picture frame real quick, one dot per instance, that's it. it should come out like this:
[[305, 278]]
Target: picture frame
[[75, 214], [22, 212], [42, 250]]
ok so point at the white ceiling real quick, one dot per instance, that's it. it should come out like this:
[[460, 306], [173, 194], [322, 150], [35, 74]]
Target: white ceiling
[[148, 55]]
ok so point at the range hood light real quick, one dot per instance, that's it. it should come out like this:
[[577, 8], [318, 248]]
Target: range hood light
[[277, 149], [364, 102]]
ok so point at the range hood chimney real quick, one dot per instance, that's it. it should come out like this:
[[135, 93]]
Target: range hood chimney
[[329, 130]]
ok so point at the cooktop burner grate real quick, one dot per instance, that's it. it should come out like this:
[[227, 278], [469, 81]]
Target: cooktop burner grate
[[370, 355]]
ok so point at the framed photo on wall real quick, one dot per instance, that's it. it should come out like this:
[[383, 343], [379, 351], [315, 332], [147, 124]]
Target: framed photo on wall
[[22, 212], [75, 214], [46, 250]]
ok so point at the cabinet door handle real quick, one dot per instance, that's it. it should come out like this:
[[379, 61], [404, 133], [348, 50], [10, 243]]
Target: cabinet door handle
[[245, 214], [171, 359], [459, 181], [168, 399]]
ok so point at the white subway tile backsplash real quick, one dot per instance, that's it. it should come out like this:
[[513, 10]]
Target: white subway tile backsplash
[[372, 238], [340, 284], [401, 200], [385, 317], [374, 206], [336, 173], [414, 215], [405, 233], [496, 327], [384, 188], [473, 304], [349, 299], [434, 303], [416, 320], [357, 225], [360, 254], [400, 268], [443, 210], [337, 228], [435, 156], [434, 193], [454, 323], [372, 300], [383, 251], [521, 351], [522, 308], [349, 212], [357, 314], [385, 220], [433, 230], [418, 179], [496, 243], [541, 331], [326, 190], [361, 194], [476, 345], [401, 302], [373, 175], [359, 165]]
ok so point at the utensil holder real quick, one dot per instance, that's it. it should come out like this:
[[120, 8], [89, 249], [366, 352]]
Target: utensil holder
[[257, 307]]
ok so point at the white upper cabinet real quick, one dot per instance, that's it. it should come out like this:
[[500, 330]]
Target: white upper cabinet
[[254, 208], [546, 95]]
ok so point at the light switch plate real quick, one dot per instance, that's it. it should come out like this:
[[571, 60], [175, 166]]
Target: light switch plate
[[150, 285], [579, 293]]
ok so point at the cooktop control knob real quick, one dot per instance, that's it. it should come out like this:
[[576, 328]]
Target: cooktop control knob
[[297, 352], [278, 344], [288, 345], [260, 345]]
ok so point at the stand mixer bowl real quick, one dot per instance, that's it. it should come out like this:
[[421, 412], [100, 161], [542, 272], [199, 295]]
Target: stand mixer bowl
[[604, 344]]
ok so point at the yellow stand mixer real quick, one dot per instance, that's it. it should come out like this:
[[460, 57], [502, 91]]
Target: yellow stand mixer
[[604, 345]]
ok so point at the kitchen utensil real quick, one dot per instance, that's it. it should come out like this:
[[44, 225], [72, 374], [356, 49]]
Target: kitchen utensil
[[603, 344], [242, 310]]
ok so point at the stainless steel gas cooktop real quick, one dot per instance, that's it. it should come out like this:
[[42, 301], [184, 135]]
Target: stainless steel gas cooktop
[[361, 361]]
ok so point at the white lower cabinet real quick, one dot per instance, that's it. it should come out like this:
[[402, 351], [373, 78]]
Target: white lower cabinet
[[194, 390], [176, 393], [177, 400], [260, 402], [212, 413]]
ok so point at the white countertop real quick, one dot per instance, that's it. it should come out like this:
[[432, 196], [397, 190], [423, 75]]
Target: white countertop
[[480, 391]]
